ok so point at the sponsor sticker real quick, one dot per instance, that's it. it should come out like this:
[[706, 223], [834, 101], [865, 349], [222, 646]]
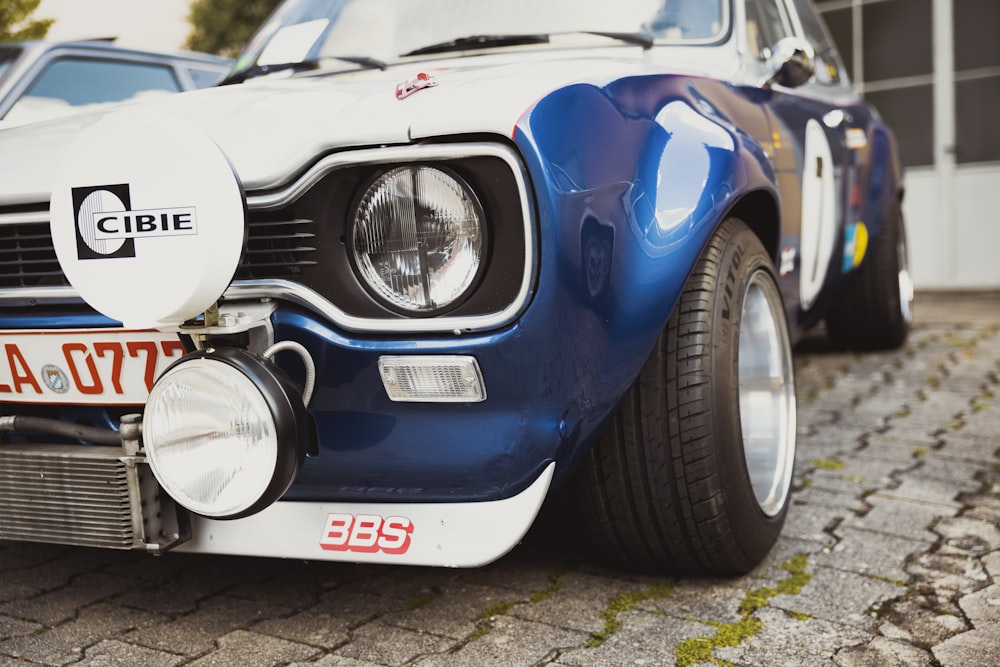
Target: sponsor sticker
[[855, 245], [366, 533], [106, 227]]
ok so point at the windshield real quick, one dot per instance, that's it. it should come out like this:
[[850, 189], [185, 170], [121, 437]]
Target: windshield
[[301, 31]]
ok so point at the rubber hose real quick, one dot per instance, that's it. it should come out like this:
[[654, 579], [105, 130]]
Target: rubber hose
[[98, 436]]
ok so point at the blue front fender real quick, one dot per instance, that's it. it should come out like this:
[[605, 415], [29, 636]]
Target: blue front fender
[[631, 180]]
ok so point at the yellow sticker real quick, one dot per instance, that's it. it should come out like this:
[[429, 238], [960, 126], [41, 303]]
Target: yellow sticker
[[860, 243]]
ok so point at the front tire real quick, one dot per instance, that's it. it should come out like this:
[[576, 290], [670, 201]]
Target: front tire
[[693, 475]]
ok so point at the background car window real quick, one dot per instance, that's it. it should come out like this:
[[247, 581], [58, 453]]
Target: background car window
[[77, 82], [766, 25], [829, 67]]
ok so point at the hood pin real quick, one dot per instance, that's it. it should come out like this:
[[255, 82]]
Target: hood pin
[[407, 88]]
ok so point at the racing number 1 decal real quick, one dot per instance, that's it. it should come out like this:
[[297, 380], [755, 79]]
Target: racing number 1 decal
[[819, 213]]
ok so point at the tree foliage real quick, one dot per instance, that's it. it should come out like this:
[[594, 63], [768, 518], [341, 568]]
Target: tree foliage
[[15, 23], [224, 26]]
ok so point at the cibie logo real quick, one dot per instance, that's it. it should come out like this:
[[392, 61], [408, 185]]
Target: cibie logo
[[107, 226]]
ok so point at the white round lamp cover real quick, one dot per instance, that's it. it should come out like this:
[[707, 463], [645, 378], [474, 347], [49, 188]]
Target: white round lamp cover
[[147, 219]]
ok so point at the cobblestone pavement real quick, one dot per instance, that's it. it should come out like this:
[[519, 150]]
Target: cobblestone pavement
[[891, 556]]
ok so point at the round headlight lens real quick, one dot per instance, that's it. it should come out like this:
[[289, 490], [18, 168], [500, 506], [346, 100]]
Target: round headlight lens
[[210, 438], [418, 238]]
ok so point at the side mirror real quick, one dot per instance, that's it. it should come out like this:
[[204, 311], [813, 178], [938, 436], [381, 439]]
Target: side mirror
[[792, 63]]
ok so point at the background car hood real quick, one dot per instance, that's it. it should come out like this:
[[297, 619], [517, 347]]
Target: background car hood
[[271, 129]]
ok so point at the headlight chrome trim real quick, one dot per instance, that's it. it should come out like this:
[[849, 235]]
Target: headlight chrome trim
[[399, 155], [308, 298]]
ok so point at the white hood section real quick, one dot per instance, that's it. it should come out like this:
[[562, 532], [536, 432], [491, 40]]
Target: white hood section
[[271, 130]]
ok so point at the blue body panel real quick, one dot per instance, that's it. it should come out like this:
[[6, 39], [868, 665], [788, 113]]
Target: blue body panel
[[630, 179], [616, 248]]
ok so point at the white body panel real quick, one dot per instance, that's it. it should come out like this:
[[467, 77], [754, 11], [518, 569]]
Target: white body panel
[[440, 534], [272, 132]]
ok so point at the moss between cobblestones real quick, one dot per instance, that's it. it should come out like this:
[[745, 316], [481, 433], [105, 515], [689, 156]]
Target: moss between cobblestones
[[959, 342], [890, 580], [546, 592], [828, 464], [483, 627], [730, 635], [422, 601], [622, 603], [499, 608]]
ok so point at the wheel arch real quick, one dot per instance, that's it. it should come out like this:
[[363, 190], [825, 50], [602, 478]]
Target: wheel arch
[[758, 209], [645, 240]]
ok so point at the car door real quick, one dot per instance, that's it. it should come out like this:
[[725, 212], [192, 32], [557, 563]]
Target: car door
[[813, 130]]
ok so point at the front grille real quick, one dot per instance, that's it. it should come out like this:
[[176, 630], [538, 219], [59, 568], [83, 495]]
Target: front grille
[[66, 494], [275, 249], [27, 258], [278, 249]]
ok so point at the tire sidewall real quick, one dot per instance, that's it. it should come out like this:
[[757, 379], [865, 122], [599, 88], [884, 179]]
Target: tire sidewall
[[753, 530]]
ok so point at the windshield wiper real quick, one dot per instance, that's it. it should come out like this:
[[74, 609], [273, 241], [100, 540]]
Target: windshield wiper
[[637, 38], [299, 66], [490, 41], [478, 42]]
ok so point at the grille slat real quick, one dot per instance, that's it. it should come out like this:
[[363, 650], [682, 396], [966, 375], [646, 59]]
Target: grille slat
[[27, 258], [278, 249], [275, 249]]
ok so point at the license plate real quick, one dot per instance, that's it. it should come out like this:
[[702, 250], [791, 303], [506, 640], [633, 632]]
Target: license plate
[[105, 367]]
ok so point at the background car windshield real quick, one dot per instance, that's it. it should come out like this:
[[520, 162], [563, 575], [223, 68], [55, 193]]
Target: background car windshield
[[386, 29]]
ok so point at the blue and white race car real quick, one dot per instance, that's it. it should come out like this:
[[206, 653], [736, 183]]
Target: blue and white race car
[[418, 265]]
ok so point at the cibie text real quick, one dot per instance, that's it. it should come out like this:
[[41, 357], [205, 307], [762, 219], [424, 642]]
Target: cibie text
[[109, 225]]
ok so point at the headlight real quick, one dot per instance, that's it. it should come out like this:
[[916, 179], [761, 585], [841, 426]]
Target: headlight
[[418, 239], [224, 433]]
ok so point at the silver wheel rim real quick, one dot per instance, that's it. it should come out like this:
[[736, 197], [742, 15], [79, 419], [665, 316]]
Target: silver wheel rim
[[905, 282], [767, 395]]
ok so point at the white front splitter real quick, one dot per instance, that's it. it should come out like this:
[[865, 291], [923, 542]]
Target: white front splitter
[[435, 534]]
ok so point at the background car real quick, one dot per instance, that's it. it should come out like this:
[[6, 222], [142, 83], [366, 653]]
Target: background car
[[40, 79], [422, 264]]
